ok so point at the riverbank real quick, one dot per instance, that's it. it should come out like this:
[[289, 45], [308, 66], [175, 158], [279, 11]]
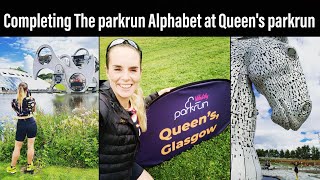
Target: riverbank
[[289, 174], [36, 91]]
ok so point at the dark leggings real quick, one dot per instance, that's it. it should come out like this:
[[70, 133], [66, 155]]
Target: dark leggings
[[26, 127]]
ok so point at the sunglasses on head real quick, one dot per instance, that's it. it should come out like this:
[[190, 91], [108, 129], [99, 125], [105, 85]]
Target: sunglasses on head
[[124, 41]]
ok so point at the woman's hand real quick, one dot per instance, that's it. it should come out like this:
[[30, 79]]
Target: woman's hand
[[162, 91]]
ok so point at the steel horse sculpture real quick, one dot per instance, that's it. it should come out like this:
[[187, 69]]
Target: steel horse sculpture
[[273, 67]]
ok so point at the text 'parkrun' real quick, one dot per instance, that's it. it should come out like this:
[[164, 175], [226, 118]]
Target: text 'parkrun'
[[156, 21], [166, 134]]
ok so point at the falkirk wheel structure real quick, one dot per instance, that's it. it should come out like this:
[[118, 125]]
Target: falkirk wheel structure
[[79, 73]]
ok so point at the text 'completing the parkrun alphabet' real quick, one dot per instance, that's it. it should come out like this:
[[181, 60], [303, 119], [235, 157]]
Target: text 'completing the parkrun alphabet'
[[159, 21]]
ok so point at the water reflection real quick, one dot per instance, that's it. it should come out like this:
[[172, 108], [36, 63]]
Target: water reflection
[[52, 103]]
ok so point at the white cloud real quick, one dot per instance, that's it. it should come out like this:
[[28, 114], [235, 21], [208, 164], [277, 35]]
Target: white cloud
[[28, 63], [7, 63], [263, 109], [275, 137], [270, 135], [61, 45]]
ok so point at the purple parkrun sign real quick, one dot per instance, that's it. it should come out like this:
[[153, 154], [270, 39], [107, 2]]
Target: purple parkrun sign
[[184, 117]]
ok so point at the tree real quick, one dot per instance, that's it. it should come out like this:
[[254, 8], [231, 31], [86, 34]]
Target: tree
[[261, 153], [281, 153], [274, 153], [19, 69], [46, 76], [293, 154], [287, 154], [299, 153], [315, 153], [305, 152]]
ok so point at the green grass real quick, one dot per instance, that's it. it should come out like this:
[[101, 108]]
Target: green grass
[[175, 61], [60, 87], [51, 173]]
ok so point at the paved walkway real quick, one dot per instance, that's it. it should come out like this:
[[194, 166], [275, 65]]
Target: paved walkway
[[290, 174]]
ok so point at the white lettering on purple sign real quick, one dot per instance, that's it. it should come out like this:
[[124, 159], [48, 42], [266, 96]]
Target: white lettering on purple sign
[[193, 104]]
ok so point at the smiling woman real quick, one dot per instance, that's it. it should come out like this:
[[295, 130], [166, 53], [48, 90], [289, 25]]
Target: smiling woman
[[122, 115], [124, 74]]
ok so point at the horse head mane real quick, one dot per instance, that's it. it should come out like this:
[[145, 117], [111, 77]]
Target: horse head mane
[[279, 38]]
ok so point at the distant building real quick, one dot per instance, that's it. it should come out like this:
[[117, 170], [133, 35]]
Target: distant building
[[10, 79]]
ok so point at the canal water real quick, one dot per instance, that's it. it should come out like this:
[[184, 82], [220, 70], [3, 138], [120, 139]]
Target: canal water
[[51, 103]]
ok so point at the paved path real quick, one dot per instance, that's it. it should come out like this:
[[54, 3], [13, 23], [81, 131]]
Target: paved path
[[290, 174]]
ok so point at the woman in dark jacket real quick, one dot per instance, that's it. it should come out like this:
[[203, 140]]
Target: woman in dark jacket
[[122, 112]]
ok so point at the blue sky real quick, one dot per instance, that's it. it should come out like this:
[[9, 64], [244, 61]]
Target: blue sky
[[20, 51], [270, 135]]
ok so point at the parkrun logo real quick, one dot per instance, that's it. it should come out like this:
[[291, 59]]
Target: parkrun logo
[[193, 103]]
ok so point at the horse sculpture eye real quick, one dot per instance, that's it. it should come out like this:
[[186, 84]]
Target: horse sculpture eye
[[292, 52]]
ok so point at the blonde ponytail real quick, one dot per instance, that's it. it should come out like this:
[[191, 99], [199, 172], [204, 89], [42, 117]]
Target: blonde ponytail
[[21, 95], [137, 102]]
